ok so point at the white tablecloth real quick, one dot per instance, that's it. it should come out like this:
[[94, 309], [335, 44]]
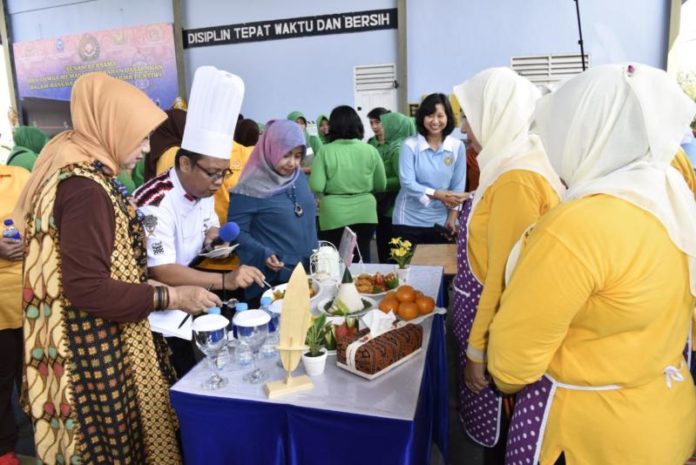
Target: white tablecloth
[[393, 395]]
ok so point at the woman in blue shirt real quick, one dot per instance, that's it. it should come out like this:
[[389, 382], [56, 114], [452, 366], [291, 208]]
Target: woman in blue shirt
[[432, 171], [273, 205]]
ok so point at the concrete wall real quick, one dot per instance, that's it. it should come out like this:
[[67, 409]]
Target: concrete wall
[[448, 40], [44, 19], [310, 74], [451, 40]]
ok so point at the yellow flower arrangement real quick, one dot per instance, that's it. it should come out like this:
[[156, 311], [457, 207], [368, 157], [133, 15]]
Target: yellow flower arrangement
[[401, 252]]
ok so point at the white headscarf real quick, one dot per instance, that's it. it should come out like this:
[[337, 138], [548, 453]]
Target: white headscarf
[[615, 130], [498, 104]]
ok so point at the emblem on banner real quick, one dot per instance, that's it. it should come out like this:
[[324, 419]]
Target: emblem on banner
[[89, 48]]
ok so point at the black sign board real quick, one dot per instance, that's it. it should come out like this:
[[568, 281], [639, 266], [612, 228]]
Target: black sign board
[[341, 23]]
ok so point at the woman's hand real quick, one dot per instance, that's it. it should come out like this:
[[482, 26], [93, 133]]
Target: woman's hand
[[452, 222], [274, 264], [456, 198], [192, 299], [475, 376], [450, 199], [11, 249]]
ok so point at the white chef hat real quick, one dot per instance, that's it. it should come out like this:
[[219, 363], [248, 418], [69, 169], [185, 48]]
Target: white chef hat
[[214, 105]]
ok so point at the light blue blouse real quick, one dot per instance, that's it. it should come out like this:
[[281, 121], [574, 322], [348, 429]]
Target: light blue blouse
[[423, 170]]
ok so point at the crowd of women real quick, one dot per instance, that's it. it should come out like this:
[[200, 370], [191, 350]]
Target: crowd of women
[[574, 297]]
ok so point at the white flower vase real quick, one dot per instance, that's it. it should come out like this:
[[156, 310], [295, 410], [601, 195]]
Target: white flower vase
[[314, 366], [403, 273]]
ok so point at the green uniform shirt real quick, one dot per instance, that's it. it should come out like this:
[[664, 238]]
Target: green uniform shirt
[[348, 171]]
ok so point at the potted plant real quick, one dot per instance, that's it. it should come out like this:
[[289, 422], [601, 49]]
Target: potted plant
[[401, 252], [314, 360]]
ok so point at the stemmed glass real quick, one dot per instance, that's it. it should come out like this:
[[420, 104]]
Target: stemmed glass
[[210, 334], [252, 330]]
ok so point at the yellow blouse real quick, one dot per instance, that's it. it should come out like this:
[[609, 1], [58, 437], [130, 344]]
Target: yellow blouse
[[238, 160], [682, 164], [12, 181], [516, 200], [166, 161], [601, 296]]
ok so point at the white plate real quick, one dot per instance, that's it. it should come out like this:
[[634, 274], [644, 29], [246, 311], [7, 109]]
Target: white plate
[[220, 252], [281, 287], [379, 294], [321, 306]]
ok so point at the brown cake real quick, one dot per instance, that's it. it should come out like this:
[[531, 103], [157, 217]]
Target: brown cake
[[384, 350]]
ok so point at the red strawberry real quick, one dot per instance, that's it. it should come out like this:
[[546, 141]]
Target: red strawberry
[[341, 331]]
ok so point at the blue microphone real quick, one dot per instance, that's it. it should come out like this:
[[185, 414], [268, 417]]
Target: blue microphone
[[228, 233]]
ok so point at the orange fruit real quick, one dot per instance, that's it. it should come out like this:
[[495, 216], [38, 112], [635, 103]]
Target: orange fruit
[[390, 295], [419, 294], [389, 305], [406, 294], [425, 305], [408, 310]]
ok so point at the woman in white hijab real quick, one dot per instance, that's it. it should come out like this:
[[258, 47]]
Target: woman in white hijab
[[596, 316], [517, 186]]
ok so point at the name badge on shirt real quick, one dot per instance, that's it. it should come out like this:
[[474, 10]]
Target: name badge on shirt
[[448, 160]]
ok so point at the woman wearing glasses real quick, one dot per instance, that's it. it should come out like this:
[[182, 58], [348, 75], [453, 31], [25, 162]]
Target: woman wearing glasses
[[273, 205]]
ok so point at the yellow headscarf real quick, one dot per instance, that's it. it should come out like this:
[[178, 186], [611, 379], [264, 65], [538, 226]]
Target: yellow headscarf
[[110, 118]]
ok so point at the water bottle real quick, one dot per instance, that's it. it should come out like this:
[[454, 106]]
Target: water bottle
[[223, 357], [240, 307], [243, 357], [10, 231], [268, 349]]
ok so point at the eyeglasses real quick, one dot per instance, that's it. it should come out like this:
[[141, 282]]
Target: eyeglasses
[[215, 175]]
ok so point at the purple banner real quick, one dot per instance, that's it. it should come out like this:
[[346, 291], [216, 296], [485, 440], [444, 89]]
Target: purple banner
[[142, 55]]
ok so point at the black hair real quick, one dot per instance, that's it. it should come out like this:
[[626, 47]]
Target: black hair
[[193, 156], [376, 113], [303, 119], [247, 133], [344, 123], [427, 107]]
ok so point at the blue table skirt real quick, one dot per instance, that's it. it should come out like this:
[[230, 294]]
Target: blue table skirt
[[217, 431]]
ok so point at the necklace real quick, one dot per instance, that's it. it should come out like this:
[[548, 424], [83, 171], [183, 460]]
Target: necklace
[[292, 195]]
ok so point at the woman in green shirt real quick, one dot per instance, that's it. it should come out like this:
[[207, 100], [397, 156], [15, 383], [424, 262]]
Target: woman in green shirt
[[29, 141], [377, 141], [396, 128], [347, 171], [323, 128], [313, 142]]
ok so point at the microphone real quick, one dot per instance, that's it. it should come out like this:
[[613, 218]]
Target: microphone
[[228, 233]]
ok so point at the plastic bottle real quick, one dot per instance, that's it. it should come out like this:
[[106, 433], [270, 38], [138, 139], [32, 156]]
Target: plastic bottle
[[265, 306], [214, 311], [268, 350], [10, 231], [239, 307], [223, 357], [242, 353]]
